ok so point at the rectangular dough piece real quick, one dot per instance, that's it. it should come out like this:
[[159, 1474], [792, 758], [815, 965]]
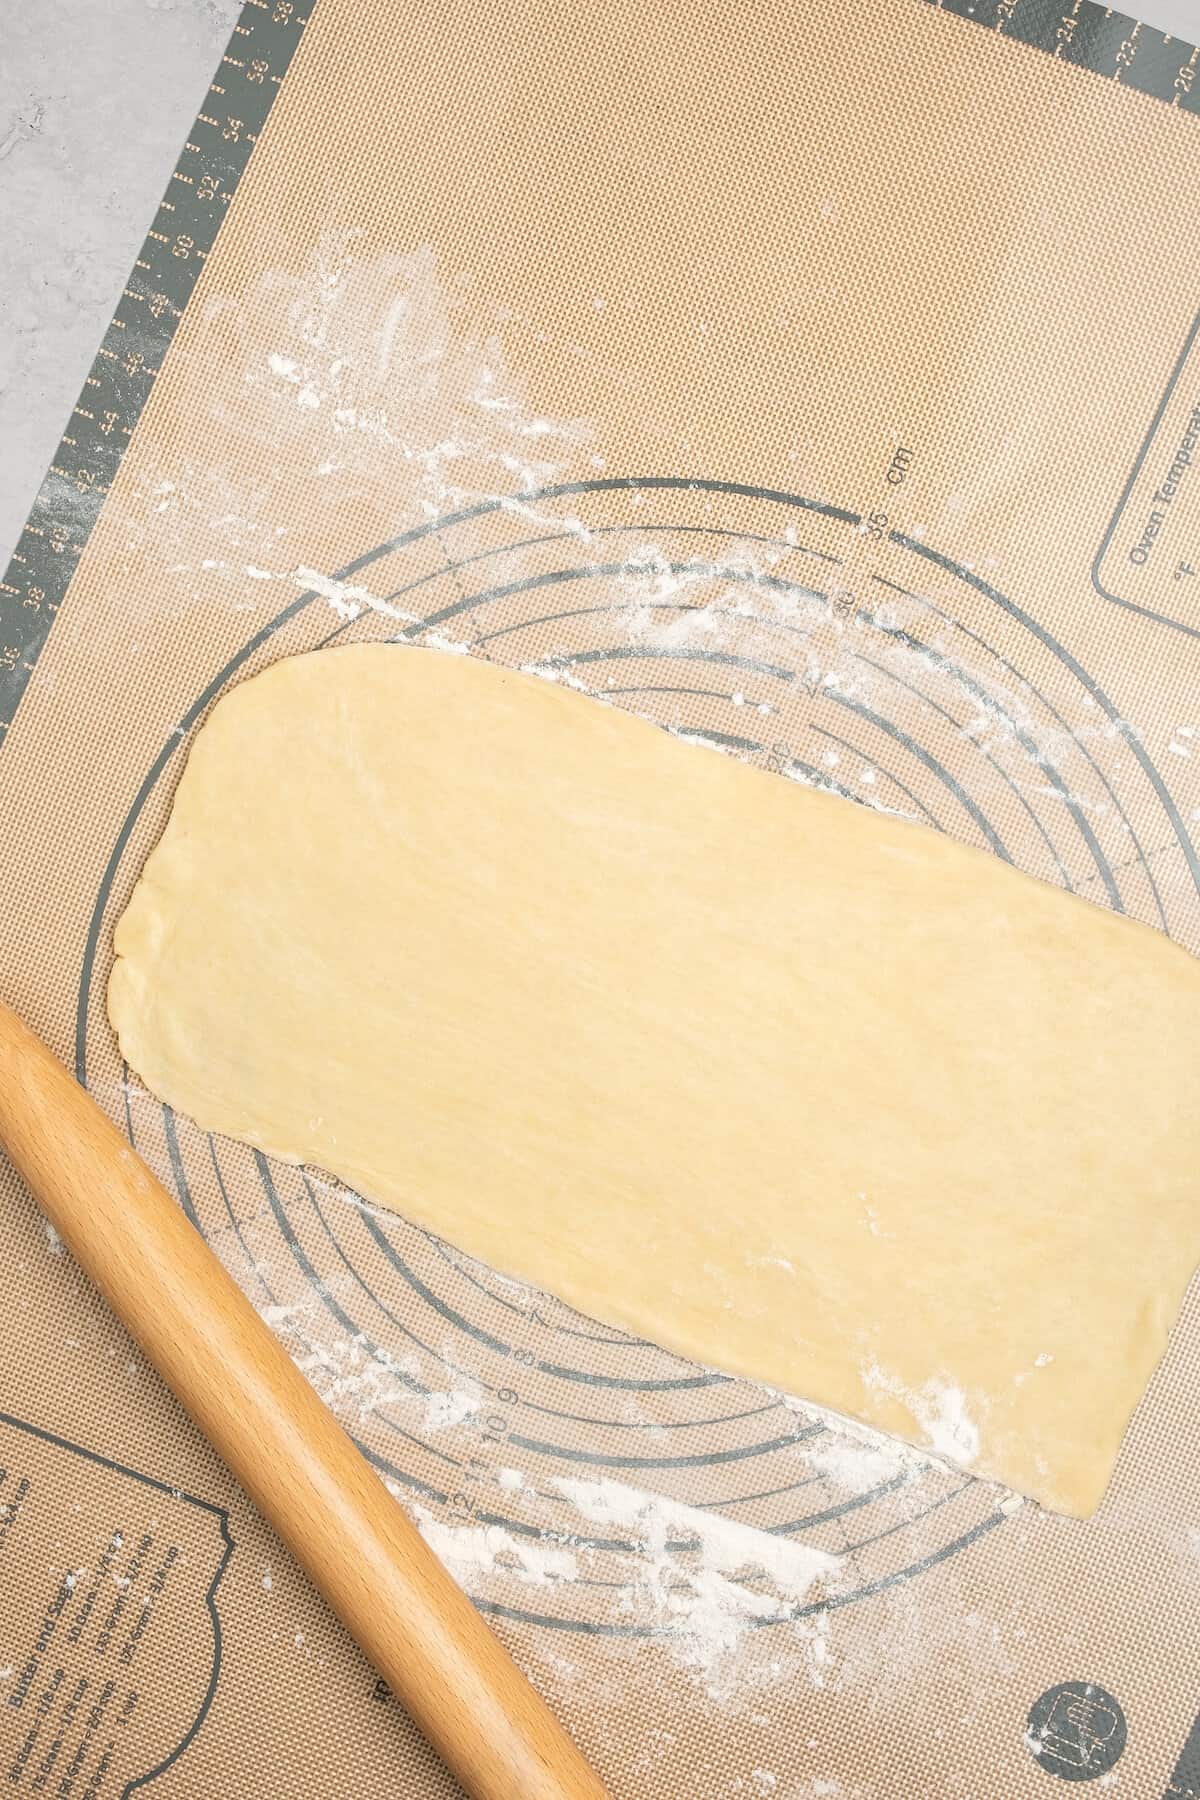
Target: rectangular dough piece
[[806, 1093]]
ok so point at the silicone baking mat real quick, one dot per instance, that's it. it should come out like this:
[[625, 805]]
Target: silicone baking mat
[[820, 382]]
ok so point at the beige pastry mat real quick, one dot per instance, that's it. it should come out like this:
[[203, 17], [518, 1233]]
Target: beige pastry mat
[[800, 377]]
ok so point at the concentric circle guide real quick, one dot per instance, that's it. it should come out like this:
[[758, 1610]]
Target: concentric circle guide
[[771, 626]]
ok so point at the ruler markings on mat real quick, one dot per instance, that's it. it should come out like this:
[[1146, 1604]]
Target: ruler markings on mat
[[1079, 32], [118, 384]]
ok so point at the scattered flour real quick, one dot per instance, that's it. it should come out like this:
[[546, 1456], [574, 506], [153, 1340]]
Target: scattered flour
[[469, 1550], [940, 1411], [445, 1410], [850, 1452], [704, 1576], [856, 1465], [352, 1378], [347, 598]]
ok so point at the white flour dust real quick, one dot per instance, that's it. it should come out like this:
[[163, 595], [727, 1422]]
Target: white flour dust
[[856, 1465], [347, 598], [939, 1410], [469, 1550], [704, 1576], [381, 394], [381, 385], [701, 1582], [376, 366]]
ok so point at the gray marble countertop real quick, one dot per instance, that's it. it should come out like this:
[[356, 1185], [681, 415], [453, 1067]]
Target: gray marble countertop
[[96, 97]]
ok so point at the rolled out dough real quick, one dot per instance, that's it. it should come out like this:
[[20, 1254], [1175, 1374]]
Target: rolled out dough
[[806, 1093]]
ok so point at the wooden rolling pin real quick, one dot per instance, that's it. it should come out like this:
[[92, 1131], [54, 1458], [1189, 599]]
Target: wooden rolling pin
[[327, 1504]]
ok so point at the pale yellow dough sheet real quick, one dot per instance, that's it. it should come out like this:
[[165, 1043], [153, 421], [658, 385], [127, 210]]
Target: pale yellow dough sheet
[[803, 1092]]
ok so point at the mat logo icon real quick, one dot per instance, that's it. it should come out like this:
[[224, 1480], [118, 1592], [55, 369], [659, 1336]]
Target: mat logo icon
[[1076, 1731]]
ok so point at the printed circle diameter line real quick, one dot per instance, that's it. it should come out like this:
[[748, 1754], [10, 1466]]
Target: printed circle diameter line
[[788, 1487], [560, 1500], [891, 775], [952, 669], [608, 609], [519, 1442], [881, 1583], [447, 1252], [455, 1318], [845, 1506], [698, 1460], [1027, 682], [557, 537], [405, 1330], [666, 687], [1031, 751], [1081, 675], [125, 1074], [272, 1299], [826, 784], [581, 1540], [931, 763], [178, 1174], [812, 1609], [1027, 744], [546, 578], [915, 1518], [634, 484], [308, 1344], [521, 1528], [901, 737], [728, 659], [624, 1342], [955, 673], [723, 531], [494, 1387], [321, 1290], [750, 1412], [430, 528]]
